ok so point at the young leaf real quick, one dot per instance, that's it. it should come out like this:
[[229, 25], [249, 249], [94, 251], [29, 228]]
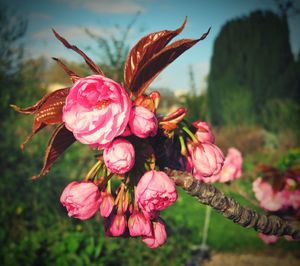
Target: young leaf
[[47, 111], [89, 61], [145, 49], [73, 76], [158, 62], [60, 140], [32, 109]]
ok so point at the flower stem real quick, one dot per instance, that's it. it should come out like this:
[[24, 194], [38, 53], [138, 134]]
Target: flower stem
[[190, 134], [182, 146]]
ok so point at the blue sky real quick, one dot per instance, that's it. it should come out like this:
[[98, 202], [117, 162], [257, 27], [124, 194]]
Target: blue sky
[[70, 17]]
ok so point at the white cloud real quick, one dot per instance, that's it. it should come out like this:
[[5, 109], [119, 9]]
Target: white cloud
[[106, 6]]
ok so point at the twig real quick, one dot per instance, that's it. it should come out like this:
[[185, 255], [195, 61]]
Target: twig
[[231, 209]]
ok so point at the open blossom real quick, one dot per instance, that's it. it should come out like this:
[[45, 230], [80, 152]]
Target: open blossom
[[232, 168], [82, 200], [155, 191], [117, 226], [139, 225], [107, 204], [207, 159], [268, 198], [119, 156], [204, 132], [142, 122], [159, 236], [97, 110]]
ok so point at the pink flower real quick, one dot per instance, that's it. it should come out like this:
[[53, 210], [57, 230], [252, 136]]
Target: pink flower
[[232, 168], [155, 191], [119, 156], [117, 226], [107, 204], [207, 159], [97, 110], [204, 132], [159, 236], [139, 225], [269, 200], [142, 122], [82, 200], [268, 239], [294, 199]]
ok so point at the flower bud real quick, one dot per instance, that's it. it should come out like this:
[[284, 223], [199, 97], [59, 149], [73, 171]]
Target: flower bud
[[204, 132], [155, 191], [142, 122], [159, 236], [107, 204], [139, 225], [119, 156], [82, 200], [117, 226], [207, 158]]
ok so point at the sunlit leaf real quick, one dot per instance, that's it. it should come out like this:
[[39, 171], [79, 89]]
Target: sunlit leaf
[[60, 140]]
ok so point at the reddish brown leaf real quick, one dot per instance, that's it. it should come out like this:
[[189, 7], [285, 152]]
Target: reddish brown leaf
[[32, 109], [158, 62], [47, 111], [278, 182], [89, 61], [145, 49], [73, 76], [60, 140]]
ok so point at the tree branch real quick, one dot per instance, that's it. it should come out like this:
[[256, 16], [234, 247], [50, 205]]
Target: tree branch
[[231, 209]]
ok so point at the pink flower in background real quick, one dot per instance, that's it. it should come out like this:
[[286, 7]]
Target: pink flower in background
[[204, 132], [119, 156], [142, 122], [294, 198], [269, 200], [107, 204], [117, 226], [155, 191], [232, 168], [207, 159], [139, 225], [97, 110], [268, 239], [82, 199], [159, 236]]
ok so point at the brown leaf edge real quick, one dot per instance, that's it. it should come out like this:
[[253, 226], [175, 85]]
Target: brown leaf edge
[[89, 61], [73, 76], [159, 61], [48, 111], [145, 49], [60, 140]]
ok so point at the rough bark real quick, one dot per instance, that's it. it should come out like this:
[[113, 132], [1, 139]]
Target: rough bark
[[231, 209]]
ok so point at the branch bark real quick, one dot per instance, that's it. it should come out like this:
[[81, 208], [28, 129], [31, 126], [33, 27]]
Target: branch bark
[[231, 209]]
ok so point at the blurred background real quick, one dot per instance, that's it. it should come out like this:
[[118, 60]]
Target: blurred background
[[244, 78]]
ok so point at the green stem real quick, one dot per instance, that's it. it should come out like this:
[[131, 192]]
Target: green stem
[[190, 134]]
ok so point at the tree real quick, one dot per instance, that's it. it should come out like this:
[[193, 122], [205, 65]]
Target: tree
[[13, 27], [251, 54]]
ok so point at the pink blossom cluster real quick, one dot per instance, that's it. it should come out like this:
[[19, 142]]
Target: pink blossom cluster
[[272, 200], [285, 199], [100, 113]]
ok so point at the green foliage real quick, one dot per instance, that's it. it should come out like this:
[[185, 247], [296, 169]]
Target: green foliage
[[279, 115], [251, 57], [197, 106]]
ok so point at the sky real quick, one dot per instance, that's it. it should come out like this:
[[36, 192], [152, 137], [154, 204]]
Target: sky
[[71, 17]]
